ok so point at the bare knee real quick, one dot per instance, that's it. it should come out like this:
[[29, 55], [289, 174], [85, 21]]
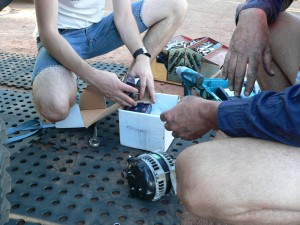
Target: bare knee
[[173, 11], [201, 182], [194, 187], [228, 180], [51, 109], [283, 45], [54, 92], [177, 8]]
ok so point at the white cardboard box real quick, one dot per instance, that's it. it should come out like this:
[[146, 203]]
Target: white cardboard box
[[146, 131]]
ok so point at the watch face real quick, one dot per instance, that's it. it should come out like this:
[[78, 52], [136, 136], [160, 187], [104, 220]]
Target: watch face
[[144, 50]]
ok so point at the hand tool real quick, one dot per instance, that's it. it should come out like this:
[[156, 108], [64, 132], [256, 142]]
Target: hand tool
[[190, 78], [191, 61], [95, 140], [174, 56], [179, 58], [196, 60]]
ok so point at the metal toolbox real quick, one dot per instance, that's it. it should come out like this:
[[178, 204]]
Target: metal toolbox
[[204, 55]]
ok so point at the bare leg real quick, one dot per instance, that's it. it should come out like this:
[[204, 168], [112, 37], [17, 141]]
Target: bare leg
[[163, 18], [241, 181], [54, 92], [284, 39]]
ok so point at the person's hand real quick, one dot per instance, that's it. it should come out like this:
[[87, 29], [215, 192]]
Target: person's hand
[[249, 45], [191, 118], [141, 68], [111, 87]]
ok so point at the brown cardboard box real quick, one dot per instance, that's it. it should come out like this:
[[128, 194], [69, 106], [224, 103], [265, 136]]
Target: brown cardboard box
[[91, 108]]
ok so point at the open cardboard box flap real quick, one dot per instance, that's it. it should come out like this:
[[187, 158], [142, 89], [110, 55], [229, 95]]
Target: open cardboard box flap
[[92, 107]]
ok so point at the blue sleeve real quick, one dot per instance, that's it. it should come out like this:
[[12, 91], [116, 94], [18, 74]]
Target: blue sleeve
[[272, 8], [268, 115]]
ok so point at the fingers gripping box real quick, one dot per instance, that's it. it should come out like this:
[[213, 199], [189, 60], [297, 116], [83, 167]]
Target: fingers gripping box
[[146, 131]]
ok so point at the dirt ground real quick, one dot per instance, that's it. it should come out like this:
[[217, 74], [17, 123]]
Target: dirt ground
[[213, 18]]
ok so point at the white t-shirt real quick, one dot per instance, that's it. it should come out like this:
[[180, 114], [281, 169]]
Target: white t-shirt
[[76, 14]]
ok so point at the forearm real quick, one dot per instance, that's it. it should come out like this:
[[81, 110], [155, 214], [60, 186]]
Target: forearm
[[268, 115], [126, 25], [131, 38], [63, 52]]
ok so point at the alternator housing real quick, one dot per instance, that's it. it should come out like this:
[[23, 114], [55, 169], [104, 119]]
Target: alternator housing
[[149, 175]]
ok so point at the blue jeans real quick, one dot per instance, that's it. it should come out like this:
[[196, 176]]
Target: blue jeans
[[4, 3], [97, 39]]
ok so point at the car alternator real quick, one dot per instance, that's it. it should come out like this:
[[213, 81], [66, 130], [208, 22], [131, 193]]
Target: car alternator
[[150, 175]]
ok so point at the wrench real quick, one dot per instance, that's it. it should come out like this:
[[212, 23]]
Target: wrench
[[95, 141]]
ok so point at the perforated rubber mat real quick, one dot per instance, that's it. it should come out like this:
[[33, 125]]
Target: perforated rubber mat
[[16, 70], [62, 180], [57, 178], [15, 109]]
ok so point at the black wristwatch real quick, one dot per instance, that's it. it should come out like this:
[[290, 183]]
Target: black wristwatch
[[141, 51]]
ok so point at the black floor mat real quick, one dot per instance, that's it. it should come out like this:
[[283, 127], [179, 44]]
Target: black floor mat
[[61, 179], [16, 70], [57, 178], [16, 108]]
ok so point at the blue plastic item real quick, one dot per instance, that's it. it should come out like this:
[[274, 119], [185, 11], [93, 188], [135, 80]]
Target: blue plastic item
[[216, 88], [209, 88]]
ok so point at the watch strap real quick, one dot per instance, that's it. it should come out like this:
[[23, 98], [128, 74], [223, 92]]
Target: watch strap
[[141, 51]]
